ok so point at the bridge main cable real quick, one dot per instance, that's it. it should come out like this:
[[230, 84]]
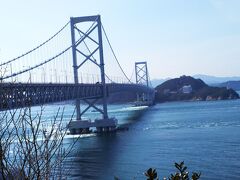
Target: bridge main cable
[[115, 55], [37, 47]]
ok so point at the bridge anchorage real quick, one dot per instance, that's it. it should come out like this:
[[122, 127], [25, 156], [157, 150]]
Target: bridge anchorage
[[142, 77], [104, 124]]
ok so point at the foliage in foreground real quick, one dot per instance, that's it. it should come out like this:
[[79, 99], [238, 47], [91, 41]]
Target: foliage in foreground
[[30, 147], [181, 174]]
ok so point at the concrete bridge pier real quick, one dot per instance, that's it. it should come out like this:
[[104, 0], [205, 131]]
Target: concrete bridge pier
[[106, 125], [87, 126]]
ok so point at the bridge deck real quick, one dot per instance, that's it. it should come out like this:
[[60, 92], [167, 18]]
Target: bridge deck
[[17, 95]]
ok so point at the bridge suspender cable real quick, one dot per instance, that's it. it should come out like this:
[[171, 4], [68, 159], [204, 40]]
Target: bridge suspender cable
[[28, 52], [50, 59], [36, 66], [149, 80], [115, 54], [132, 73]]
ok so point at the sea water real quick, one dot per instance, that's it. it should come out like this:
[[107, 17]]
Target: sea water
[[205, 135]]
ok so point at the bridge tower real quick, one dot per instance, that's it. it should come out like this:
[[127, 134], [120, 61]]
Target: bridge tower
[[141, 72], [105, 123]]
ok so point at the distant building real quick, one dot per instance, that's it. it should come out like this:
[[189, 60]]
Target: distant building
[[186, 89]]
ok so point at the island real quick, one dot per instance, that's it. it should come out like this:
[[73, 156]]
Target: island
[[191, 89]]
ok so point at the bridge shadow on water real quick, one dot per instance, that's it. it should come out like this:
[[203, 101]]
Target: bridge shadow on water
[[92, 156], [133, 118]]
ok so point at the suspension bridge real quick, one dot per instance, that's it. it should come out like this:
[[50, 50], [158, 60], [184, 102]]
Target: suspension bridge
[[63, 68]]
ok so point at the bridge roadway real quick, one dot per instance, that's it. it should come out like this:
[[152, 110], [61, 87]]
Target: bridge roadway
[[18, 95]]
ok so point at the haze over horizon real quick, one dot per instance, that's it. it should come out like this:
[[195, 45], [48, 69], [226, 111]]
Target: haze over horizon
[[174, 37], [210, 80]]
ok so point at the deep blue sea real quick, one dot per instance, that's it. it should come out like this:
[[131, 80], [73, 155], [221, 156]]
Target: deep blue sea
[[205, 135]]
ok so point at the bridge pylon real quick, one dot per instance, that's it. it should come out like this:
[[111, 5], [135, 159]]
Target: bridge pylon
[[142, 77], [77, 64], [141, 72]]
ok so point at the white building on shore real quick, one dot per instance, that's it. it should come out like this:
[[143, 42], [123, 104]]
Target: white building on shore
[[186, 89]]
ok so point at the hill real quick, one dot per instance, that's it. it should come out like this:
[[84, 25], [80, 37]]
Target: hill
[[156, 82], [210, 80], [235, 85], [189, 88], [214, 79]]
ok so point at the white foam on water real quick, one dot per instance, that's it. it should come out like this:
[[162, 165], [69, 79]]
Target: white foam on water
[[132, 108], [70, 136]]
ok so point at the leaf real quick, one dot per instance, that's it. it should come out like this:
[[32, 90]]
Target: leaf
[[184, 169], [151, 174], [155, 175], [182, 164], [149, 171], [116, 178], [196, 176]]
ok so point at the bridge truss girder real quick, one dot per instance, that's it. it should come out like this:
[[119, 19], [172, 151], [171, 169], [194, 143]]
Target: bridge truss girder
[[20, 95], [23, 95]]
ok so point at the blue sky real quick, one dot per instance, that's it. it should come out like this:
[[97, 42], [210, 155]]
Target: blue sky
[[176, 37]]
